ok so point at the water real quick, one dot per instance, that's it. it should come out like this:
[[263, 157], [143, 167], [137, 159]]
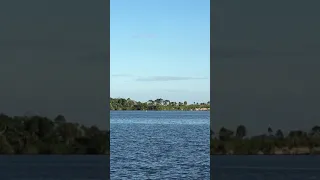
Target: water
[[160, 145], [265, 167], [54, 167]]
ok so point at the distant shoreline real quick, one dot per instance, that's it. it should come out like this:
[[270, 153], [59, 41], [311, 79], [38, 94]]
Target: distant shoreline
[[122, 104], [297, 142], [20, 135]]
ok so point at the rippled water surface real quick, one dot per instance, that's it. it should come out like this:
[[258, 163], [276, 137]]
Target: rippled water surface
[[159, 145], [265, 167], [54, 167]]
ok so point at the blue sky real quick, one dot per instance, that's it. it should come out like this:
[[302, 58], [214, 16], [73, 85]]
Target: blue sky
[[160, 49]]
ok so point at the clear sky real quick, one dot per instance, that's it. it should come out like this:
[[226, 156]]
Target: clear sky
[[160, 49]]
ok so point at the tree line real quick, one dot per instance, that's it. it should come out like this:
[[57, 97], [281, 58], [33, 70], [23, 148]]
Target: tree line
[[157, 105], [227, 141], [41, 135]]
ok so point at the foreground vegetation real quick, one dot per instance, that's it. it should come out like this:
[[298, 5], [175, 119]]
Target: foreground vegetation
[[227, 141], [156, 105], [40, 135]]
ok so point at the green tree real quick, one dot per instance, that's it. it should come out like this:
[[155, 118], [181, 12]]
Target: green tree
[[279, 134], [225, 134], [270, 131], [241, 131], [60, 119]]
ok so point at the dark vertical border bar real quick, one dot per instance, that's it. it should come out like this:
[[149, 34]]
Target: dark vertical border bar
[[268, 79], [42, 45], [211, 80], [108, 81]]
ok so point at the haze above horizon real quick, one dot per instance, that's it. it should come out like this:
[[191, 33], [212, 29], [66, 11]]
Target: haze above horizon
[[160, 49]]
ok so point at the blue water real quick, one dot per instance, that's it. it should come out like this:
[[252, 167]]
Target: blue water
[[54, 167], [159, 145], [265, 167]]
